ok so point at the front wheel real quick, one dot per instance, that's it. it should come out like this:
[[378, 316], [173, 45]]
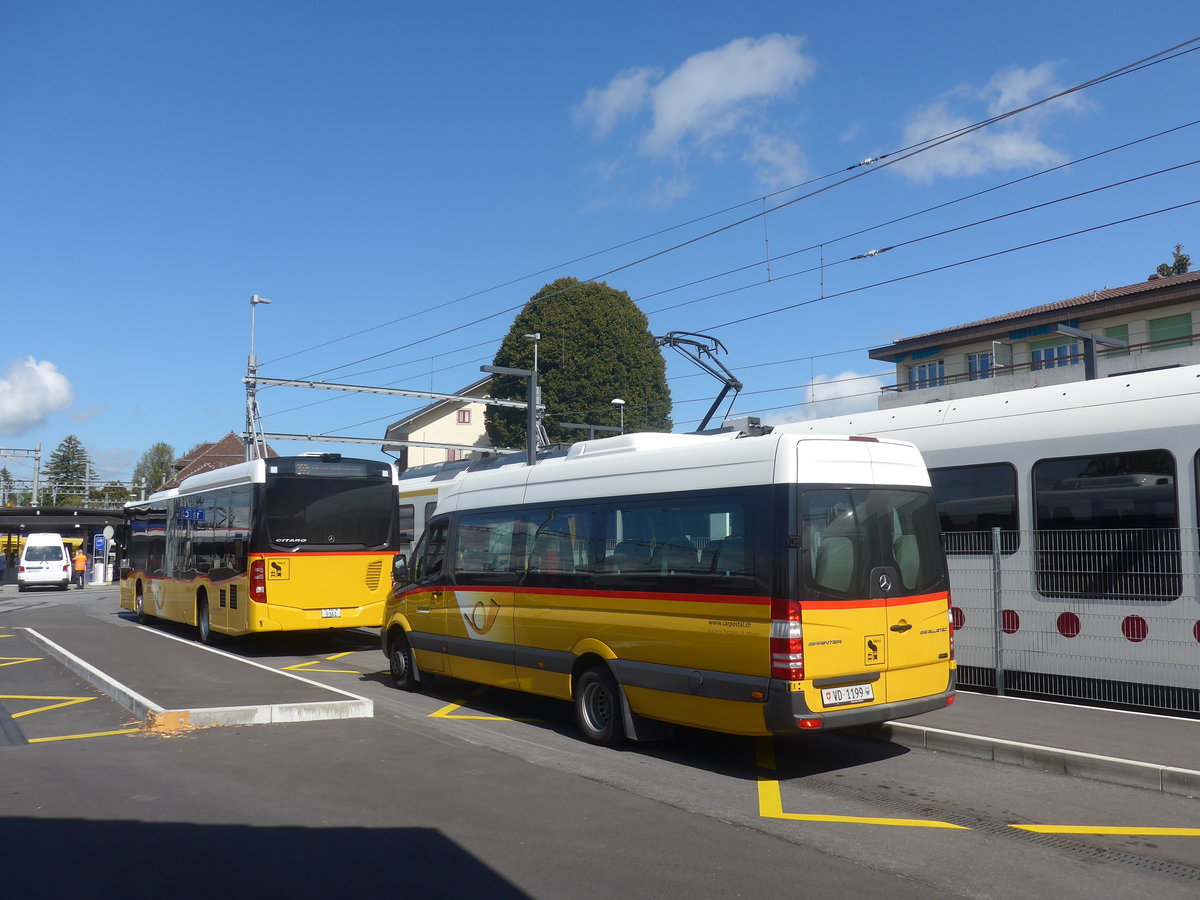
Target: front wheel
[[598, 707], [400, 664]]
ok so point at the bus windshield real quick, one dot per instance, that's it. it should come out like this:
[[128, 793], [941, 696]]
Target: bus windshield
[[852, 536], [328, 513]]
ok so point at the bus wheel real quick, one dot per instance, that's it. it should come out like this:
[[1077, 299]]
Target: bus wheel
[[202, 621], [598, 707], [139, 607], [400, 662]]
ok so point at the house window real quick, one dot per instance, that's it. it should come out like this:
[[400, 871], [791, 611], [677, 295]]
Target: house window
[[1170, 332], [979, 365], [1054, 353], [1120, 332], [464, 417], [927, 374], [455, 455]]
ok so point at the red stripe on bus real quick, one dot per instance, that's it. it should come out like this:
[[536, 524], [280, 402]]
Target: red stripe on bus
[[877, 603], [742, 599]]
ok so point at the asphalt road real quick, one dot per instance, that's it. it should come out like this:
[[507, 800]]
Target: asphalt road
[[456, 790]]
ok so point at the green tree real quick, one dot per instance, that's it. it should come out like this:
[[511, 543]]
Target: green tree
[[595, 346], [6, 487], [154, 467], [1179, 264], [112, 494], [68, 472]]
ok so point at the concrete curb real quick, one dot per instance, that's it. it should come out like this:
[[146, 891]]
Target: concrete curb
[[159, 719], [1168, 779]]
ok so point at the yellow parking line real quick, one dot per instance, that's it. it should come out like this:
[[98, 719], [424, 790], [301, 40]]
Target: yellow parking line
[[77, 737], [70, 701], [446, 712], [306, 666], [770, 800], [1130, 830], [17, 660]]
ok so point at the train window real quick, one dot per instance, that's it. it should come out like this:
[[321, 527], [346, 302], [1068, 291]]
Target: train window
[[408, 523], [1108, 526], [971, 501]]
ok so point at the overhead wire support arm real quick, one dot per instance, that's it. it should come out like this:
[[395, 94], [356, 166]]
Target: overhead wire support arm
[[391, 392], [702, 349]]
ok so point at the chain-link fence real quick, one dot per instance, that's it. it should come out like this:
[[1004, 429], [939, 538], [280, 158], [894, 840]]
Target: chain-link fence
[[1098, 615]]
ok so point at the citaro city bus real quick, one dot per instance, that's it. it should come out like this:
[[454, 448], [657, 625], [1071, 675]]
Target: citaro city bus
[[279, 544], [754, 585]]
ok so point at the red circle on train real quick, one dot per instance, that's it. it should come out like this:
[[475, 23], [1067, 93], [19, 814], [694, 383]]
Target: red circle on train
[[1010, 622], [1135, 628], [1068, 624], [1196, 631], [957, 620]]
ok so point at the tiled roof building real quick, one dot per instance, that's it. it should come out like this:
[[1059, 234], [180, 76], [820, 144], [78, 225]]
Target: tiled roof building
[[205, 457]]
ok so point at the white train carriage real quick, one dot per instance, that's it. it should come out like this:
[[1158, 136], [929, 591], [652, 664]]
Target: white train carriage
[[1091, 590]]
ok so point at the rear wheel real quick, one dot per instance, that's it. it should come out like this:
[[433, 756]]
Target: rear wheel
[[598, 707], [139, 607], [400, 662], [202, 622]]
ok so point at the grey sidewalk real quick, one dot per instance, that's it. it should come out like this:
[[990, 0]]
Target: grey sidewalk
[[1149, 751], [172, 682]]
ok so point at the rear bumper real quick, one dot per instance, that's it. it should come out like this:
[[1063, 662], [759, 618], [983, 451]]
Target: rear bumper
[[785, 709]]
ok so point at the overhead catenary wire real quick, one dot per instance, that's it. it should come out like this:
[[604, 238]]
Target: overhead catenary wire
[[867, 166], [974, 194]]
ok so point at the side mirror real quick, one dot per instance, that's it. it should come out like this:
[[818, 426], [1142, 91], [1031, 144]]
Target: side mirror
[[400, 569]]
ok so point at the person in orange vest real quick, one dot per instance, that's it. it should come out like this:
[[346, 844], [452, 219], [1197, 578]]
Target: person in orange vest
[[80, 569]]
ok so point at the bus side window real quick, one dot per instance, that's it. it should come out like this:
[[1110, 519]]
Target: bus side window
[[429, 555]]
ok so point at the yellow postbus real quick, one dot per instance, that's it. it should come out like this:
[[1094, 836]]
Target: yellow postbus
[[280, 544], [765, 584]]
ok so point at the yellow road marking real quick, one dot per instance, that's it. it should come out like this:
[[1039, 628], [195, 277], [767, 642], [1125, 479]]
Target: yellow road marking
[[17, 660], [307, 666], [70, 701], [446, 712], [77, 737], [770, 800], [1131, 830]]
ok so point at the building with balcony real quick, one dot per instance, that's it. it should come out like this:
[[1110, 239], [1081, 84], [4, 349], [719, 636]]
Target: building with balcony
[[1158, 319]]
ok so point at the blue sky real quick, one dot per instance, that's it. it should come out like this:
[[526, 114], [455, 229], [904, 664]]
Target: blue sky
[[364, 165]]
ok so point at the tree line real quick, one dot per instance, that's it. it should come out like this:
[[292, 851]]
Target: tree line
[[69, 478]]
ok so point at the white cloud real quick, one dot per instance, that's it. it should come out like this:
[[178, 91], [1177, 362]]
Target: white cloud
[[624, 96], [778, 162], [1014, 143], [825, 397], [713, 91], [715, 103], [29, 393]]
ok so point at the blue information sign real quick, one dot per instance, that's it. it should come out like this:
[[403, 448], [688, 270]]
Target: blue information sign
[[98, 542]]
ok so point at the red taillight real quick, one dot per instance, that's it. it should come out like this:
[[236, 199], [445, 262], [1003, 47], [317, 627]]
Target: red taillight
[[809, 724], [863, 437], [787, 640], [258, 581]]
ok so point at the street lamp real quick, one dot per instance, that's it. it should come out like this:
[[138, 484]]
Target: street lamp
[[620, 404]]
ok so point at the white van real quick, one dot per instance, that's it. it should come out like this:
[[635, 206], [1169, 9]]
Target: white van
[[44, 563]]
